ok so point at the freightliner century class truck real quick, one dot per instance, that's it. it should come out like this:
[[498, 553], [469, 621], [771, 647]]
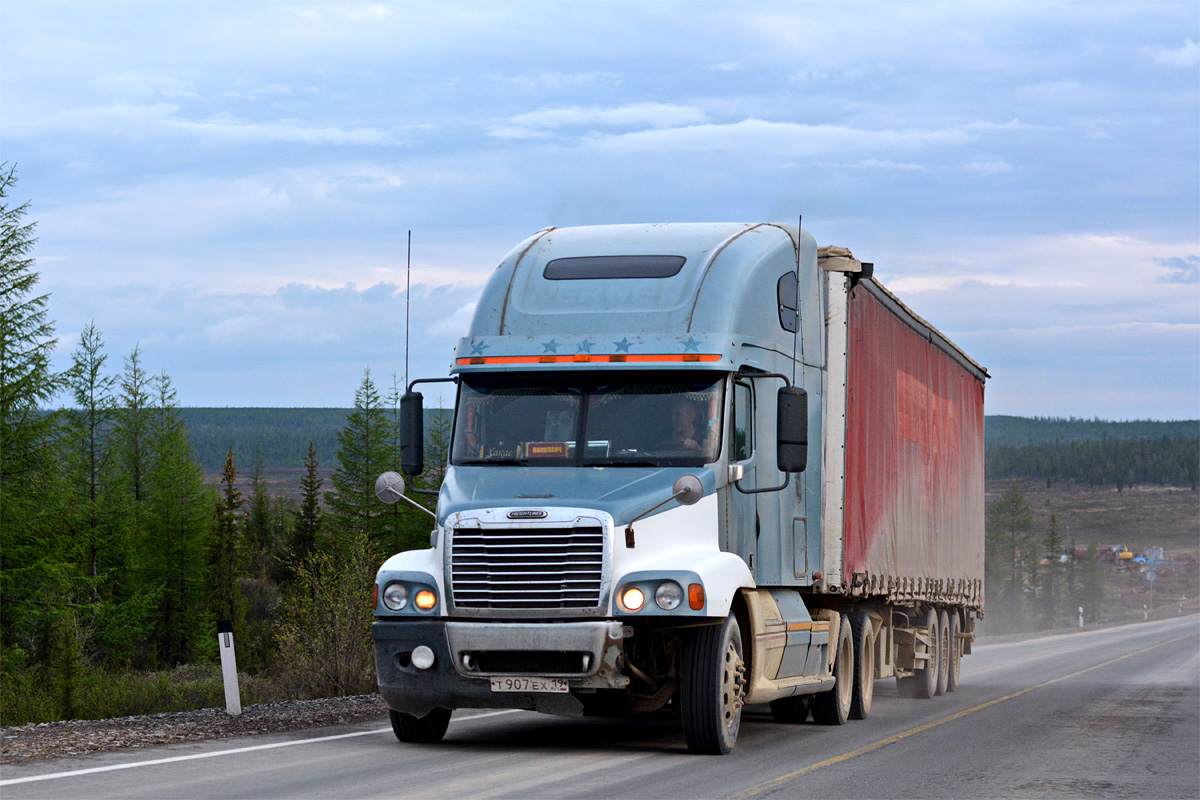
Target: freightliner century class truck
[[693, 467]]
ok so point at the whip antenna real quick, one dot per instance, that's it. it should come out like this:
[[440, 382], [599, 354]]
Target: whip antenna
[[407, 304], [796, 333]]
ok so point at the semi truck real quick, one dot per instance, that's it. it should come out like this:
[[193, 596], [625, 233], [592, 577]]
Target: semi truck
[[692, 467]]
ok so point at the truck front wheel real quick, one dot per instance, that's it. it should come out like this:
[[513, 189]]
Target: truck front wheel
[[713, 687], [428, 729], [832, 707]]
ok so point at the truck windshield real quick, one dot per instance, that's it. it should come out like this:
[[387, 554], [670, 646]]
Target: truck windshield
[[588, 420]]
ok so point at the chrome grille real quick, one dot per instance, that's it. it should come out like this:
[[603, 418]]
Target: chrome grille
[[526, 568]]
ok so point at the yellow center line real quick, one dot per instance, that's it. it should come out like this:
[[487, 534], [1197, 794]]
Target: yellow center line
[[771, 785]]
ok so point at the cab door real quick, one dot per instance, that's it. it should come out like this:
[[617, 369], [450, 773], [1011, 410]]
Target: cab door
[[742, 524]]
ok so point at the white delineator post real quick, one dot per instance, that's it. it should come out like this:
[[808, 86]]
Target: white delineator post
[[233, 697]]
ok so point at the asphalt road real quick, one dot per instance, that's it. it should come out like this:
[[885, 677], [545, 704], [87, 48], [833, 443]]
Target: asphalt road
[[1106, 713]]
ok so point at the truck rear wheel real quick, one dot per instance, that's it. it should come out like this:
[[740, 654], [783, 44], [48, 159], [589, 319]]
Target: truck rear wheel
[[863, 633], [713, 688], [943, 650], [428, 729], [832, 707], [924, 680], [955, 653]]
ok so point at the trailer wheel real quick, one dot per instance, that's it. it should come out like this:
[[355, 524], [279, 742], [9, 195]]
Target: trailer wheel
[[955, 653], [832, 707], [863, 633], [428, 729], [943, 650], [790, 710], [924, 680], [713, 688]]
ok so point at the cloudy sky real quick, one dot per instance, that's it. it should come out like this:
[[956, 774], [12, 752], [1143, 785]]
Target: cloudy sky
[[229, 185]]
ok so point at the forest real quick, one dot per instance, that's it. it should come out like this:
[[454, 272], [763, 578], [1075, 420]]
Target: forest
[[129, 525]]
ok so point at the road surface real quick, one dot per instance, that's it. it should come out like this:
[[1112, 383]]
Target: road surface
[[1105, 713]]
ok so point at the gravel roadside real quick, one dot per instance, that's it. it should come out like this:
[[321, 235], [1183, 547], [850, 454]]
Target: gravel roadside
[[37, 741]]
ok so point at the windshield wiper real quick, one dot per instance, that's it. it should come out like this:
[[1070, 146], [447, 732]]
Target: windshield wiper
[[502, 462], [622, 462]]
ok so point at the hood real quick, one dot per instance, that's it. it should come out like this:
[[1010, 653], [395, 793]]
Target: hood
[[622, 492]]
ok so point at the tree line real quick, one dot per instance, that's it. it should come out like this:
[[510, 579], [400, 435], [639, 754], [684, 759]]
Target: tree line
[[1121, 463], [116, 556]]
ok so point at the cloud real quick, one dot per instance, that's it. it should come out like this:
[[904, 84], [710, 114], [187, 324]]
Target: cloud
[[1186, 56], [763, 139], [224, 127], [992, 167], [1182, 269], [535, 124]]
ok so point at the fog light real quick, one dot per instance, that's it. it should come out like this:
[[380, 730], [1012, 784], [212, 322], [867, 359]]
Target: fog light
[[668, 595], [425, 600], [632, 598], [395, 596], [422, 657]]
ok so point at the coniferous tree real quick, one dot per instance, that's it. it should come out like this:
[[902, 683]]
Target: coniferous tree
[[178, 525], [1052, 548], [364, 451], [226, 550], [95, 406], [307, 530], [1008, 545], [35, 572], [259, 528]]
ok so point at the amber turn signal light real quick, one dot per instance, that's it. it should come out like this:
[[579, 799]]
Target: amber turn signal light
[[695, 596]]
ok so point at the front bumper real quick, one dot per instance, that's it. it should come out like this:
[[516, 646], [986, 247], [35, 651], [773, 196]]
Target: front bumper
[[467, 655]]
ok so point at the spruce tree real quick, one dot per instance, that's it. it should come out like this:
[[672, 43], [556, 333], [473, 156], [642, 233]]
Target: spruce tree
[[34, 568], [307, 531], [1008, 547], [364, 451]]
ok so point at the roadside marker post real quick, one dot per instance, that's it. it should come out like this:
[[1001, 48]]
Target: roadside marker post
[[233, 696]]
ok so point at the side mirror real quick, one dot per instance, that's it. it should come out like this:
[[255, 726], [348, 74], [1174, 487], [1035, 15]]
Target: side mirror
[[389, 488], [792, 428], [412, 433]]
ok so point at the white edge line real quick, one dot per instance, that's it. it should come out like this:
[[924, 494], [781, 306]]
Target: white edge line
[[195, 756]]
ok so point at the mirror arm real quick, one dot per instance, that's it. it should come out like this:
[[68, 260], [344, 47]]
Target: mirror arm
[[629, 527], [415, 504], [787, 478]]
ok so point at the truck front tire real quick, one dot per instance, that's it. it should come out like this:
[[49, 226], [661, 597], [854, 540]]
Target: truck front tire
[[428, 729], [713, 687]]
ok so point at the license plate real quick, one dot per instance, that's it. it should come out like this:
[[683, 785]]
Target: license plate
[[558, 685]]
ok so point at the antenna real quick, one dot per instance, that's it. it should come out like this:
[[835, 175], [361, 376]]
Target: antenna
[[796, 333], [407, 303]]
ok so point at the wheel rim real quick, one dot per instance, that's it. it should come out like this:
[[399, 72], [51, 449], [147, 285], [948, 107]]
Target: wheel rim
[[867, 691], [845, 684], [733, 688]]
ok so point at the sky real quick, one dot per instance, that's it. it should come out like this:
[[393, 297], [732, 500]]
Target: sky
[[228, 186]]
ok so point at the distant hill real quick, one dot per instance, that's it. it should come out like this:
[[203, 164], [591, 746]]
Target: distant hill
[[278, 436], [1004, 431], [1044, 447]]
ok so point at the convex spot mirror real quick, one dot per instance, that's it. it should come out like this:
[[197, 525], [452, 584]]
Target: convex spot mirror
[[687, 489], [792, 425], [389, 487]]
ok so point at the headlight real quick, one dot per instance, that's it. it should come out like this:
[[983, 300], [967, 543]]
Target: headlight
[[668, 595], [395, 596], [633, 598]]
